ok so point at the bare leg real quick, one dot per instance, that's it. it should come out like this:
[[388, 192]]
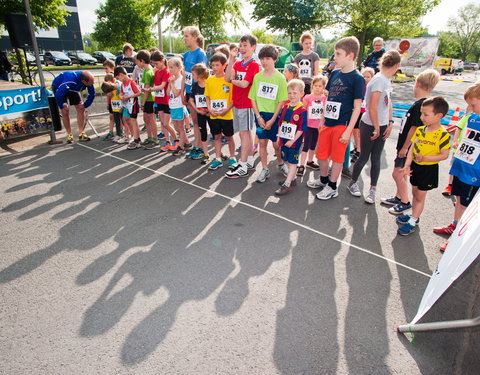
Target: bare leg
[[80, 117], [292, 170], [402, 185], [418, 201], [246, 142], [336, 170], [263, 152], [66, 118], [218, 146], [278, 154]]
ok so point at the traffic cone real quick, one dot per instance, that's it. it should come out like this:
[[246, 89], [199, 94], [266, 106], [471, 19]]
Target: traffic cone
[[452, 126]]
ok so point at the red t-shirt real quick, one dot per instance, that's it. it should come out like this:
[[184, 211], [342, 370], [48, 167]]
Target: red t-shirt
[[159, 77], [245, 73]]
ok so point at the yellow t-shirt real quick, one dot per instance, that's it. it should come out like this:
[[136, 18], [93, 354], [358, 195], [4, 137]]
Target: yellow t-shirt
[[220, 93], [429, 143]]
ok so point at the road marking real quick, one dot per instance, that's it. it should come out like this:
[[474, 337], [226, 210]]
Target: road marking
[[303, 226]]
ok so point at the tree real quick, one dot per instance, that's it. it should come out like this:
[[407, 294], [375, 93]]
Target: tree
[[449, 46], [123, 21], [262, 36], [467, 27]]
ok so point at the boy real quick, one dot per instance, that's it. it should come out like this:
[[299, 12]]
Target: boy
[[346, 89], [292, 125], [218, 93], [111, 88], [431, 144], [466, 162], [424, 84], [241, 73], [268, 92], [307, 61], [108, 66], [129, 93], [146, 82], [126, 59]]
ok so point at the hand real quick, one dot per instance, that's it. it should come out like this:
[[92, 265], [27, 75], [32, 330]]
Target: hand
[[269, 124], [419, 157], [122, 97], [406, 171], [223, 112], [345, 138], [289, 144], [403, 153], [233, 56], [147, 89], [455, 145], [171, 78], [376, 133], [261, 122], [387, 132]]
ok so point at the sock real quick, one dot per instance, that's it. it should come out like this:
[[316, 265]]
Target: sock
[[455, 222], [324, 179], [287, 183], [412, 221], [333, 185], [219, 159], [233, 158], [243, 164], [250, 160], [137, 140], [405, 203]]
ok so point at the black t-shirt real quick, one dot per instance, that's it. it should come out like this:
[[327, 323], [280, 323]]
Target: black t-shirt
[[412, 118], [197, 94], [127, 62]]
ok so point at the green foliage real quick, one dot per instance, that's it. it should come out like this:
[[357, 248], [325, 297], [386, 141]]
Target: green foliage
[[467, 28], [90, 45], [262, 36], [123, 21], [449, 46], [45, 13]]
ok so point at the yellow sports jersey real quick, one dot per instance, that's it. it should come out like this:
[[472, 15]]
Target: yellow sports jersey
[[220, 93], [430, 143]]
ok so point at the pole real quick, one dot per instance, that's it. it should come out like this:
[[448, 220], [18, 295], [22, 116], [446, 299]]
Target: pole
[[452, 324], [160, 39]]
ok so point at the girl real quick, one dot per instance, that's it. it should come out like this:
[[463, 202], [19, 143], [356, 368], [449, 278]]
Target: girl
[[176, 87], [290, 72]]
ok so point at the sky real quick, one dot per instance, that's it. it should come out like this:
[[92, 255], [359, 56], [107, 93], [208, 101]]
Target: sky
[[436, 20]]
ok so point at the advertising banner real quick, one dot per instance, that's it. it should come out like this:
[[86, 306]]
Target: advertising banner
[[418, 54]]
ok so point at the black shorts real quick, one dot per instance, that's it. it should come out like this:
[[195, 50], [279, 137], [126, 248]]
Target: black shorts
[[424, 177], [219, 126], [399, 162], [148, 107], [74, 98], [307, 90], [357, 124], [310, 139], [465, 191], [162, 108]]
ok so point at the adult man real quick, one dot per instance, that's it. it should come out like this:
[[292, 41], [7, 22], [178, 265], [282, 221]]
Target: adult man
[[5, 66], [126, 60], [374, 57], [69, 85]]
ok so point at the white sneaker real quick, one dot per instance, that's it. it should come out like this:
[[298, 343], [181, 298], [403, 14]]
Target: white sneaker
[[264, 174], [354, 189], [370, 198], [327, 193], [284, 169], [315, 184]]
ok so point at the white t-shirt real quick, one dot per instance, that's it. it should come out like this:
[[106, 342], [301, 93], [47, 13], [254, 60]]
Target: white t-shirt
[[176, 101], [382, 84]]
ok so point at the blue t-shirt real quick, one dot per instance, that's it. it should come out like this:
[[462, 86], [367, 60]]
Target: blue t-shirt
[[297, 116], [466, 161], [343, 89], [190, 58]]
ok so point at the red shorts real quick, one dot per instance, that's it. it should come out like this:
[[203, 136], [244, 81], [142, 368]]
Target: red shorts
[[329, 145]]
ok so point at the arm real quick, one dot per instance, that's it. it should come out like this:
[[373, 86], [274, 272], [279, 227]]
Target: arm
[[403, 152], [298, 134], [406, 169], [229, 72], [176, 92], [260, 119], [373, 112], [357, 106], [390, 122], [433, 158], [316, 67], [458, 131], [90, 97], [270, 122]]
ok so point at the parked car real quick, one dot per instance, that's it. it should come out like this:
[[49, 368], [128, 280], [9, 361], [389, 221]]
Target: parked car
[[82, 58], [470, 66], [101, 56], [169, 55], [31, 59], [57, 58], [211, 49]]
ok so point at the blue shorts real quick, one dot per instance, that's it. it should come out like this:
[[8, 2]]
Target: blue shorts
[[177, 113], [267, 134], [290, 155]]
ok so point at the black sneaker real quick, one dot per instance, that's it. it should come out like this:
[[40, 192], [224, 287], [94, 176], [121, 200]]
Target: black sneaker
[[313, 165], [236, 172], [178, 151], [300, 171]]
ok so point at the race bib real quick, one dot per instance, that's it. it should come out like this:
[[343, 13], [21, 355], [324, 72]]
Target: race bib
[[468, 151], [240, 76], [175, 101], [128, 104], [267, 91], [402, 124], [201, 101], [315, 111], [305, 72], [287, 130], [219, 105], [188, 78], [159, 93], [116, 105], [332, 110]]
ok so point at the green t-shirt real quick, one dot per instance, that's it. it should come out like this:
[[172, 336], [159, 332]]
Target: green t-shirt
[[268, 91], [147, 78]]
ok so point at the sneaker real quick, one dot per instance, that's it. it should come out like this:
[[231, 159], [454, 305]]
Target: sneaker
[[327, 193], [392, 201], [83, 137], [346, 173], [354, 189], [123, 140], [264, 174], [144, 129], [160, 135], [300, 171], [313, 165], [69, 138], [224, 157], [449, 229], [283, 190], [116, 139], [443, 246], [370, 198], [187, 146], [199, 154], [447, 191], [237, 172], [172, 147], [192, 153], [108, 137], [166, 147], [178, 151], [292, 183], [232, 163], [146, 141], [406, 229], [250, 166], [149, 145], [315, 184], [403, 219], [283, 168], [215, 164], [399, 208], [205, 159], [133, 145], [239, 148]]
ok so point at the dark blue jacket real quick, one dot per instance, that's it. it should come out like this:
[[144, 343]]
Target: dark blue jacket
[[70, 81]]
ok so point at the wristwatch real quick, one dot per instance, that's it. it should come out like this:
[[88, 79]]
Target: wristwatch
[[259, 117], [391, 121]]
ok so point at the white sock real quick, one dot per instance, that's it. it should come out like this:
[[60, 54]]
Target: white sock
[[412, 221], [250, 160]]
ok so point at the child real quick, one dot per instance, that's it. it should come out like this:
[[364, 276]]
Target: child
[[160, 91], [126, 60], [146, 82], [129, 93], [307, 60], [376, 124], [431, 144], [241, 73], [292, 125], [424, 84], [466, 162], [218, 93], [198, 101], [176, 87], [108, 66], [290, 72], [315, 104], [346, 89], [111, 88], [268, 92]]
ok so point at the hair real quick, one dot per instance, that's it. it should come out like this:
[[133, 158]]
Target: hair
[[368, 70], [119, 70], [292, 68], [154, 49], [232, 46], [268, 50], [297, 84], [126, 47], [107, 87], [428, 79], [319, 78], [109, 63], [176, 62], [109, 77], [222, 48], [349, 44], [438, 103], [306, 35], [218, 56], [201, 70], [157, 56], [143, 55], [473, 91], [377, 39], [250, 39], [390, 59], [195, 31]]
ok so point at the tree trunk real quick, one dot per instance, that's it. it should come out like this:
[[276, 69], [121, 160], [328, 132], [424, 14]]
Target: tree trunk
[[361, 39], [22, 68]]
